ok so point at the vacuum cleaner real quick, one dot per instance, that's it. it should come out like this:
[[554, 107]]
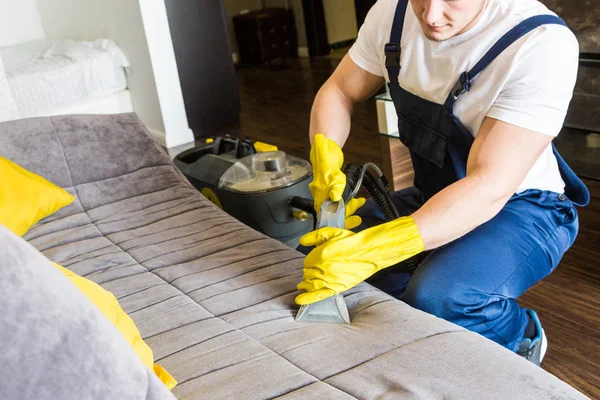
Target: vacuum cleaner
[[255, 183]]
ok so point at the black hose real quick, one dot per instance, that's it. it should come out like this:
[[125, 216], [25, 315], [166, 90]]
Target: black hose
[[380, 195]]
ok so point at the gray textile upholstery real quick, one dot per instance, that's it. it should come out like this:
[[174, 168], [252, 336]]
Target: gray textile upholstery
[[55, 344], [215, 299]]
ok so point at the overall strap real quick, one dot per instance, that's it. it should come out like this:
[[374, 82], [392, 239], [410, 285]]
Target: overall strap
[[392, 49], [464, 82]]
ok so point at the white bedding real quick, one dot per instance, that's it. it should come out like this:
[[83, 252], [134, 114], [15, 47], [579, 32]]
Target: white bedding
[[43, 75]]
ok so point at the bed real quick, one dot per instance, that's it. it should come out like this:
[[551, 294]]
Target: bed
[[41, 77]]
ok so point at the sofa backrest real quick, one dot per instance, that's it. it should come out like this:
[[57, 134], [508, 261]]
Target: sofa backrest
[[71, 150]]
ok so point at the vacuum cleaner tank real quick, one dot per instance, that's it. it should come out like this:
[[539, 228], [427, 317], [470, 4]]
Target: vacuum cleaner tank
[[263, 172]]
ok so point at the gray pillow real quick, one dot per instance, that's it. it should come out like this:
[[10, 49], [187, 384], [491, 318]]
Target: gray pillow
[[54, 343]]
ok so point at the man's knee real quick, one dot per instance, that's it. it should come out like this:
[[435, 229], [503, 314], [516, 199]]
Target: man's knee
[[439, 296], [426, 297]]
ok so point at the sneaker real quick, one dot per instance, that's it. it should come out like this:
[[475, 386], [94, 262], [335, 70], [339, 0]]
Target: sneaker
[[534, 349]]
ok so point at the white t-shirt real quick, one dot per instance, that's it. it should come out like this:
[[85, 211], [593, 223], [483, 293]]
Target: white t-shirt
[[529, 85]]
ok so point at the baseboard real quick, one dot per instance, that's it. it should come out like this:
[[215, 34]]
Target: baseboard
[[303, 52], [159, 137]]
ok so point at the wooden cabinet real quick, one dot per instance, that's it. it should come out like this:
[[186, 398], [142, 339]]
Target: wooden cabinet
[[266, 37]]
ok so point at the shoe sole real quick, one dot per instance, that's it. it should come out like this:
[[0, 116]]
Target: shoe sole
[[544, 346]]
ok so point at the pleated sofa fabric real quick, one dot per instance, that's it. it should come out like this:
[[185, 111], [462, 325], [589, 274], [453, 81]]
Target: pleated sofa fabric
[[214, 299]]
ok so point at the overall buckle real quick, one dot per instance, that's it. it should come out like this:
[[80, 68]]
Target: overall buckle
[[392, 55], [463, 85]]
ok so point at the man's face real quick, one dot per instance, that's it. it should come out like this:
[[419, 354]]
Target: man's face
[[443, 19]]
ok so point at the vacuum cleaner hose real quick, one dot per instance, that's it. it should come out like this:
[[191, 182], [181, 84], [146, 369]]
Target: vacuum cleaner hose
[[375, 185], [380, 194]]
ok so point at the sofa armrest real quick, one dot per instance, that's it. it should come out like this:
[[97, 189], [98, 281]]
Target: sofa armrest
[[54, 343]]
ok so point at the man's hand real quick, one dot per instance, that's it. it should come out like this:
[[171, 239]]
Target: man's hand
[[329, 181], [343, 259], [352, 221]]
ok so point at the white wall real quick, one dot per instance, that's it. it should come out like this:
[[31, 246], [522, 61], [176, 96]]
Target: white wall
[[19, 22], [139, 29], [164, 65], [340, 17]]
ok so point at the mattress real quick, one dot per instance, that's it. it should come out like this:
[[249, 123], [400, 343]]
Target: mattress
[[214, 299], [43, 75]]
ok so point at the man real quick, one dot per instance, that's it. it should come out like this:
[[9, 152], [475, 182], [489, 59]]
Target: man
[[481, 87]]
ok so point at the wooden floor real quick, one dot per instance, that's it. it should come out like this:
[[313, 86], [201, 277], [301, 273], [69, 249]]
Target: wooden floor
[[275, 109]]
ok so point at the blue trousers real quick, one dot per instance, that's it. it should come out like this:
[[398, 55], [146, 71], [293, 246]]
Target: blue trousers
[[474, 280]]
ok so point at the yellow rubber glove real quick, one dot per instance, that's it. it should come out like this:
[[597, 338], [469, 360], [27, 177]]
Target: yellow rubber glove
[[329, 181], [343, 259], [352, 221]]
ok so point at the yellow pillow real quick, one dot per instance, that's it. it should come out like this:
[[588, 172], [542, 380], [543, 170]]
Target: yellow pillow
[[108, 304], [25, 197]]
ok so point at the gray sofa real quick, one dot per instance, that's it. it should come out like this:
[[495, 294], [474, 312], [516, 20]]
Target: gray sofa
[[214, 299]]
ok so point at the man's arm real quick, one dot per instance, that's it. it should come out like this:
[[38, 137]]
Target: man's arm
[[500, 158], [533, 104], [332, 108]]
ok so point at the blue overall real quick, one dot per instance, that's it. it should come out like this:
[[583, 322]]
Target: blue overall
[[474, 280]]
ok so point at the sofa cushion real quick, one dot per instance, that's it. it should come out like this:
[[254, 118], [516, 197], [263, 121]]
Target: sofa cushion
[[54, 343], [26, 197]]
